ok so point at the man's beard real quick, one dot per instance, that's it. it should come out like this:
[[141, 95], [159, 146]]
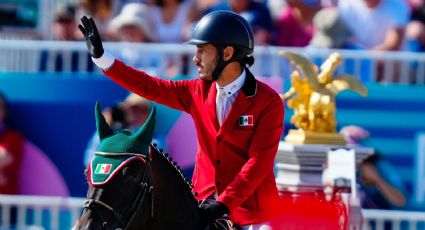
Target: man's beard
[[207, 74]]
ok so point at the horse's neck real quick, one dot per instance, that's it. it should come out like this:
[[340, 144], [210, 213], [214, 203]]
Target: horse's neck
[[168, 180], [173, 199]]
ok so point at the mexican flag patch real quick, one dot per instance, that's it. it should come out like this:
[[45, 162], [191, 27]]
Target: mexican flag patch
[[246, 120], [103, 169]]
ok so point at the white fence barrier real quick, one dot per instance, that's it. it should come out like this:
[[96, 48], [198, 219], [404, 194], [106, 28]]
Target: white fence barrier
[[26, 56], [391, 219], [58, 213], [419, 184], [39, 212]]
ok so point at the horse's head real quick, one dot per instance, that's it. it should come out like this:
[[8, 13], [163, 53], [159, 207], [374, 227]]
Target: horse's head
[[118, 177]]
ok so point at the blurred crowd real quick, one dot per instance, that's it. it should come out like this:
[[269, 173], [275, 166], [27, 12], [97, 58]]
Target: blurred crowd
[[343, 24], [382, 25]]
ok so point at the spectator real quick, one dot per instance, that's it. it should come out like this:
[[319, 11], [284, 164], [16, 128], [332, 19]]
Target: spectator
[[115, 117], [11, 153], [204, 5], [137, 110], [63, 28], [133, 24], [172, 22], [330, 31], [329, 3], [122, 3], [101, 10], [376, 24], [275, 7], [415, 30], [294, 25], [257, 14], [64, 23], [173, 19], [381, 185], [379, 25]]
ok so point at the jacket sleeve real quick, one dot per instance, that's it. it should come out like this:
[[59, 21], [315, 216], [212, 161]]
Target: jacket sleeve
[[262, 152], [175, 94]]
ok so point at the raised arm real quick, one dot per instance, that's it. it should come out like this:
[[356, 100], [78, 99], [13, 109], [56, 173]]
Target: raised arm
[[175, 94]]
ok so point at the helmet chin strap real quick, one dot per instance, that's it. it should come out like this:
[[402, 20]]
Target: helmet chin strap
[[221, 63]]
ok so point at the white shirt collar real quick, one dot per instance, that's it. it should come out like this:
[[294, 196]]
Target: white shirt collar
[[234, 86]]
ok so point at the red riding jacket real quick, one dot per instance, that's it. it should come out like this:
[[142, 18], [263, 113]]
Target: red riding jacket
[[235, 160]]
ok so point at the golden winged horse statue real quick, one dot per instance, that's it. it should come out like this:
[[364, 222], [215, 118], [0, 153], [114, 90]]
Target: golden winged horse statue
[[312, 96]]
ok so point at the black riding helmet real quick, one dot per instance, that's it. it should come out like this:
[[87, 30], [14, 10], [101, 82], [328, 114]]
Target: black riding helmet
[[225, 28]]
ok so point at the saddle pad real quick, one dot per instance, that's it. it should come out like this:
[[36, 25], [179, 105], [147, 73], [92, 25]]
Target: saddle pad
[[101, 168]]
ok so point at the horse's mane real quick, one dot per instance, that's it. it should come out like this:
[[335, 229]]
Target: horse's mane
[[174, 165], [175, 190]]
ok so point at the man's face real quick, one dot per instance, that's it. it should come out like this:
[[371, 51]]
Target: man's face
[[206, 60], [64, 29]]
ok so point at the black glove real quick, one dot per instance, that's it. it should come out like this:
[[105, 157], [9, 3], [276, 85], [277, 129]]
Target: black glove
[[93, 41], [214, 210]]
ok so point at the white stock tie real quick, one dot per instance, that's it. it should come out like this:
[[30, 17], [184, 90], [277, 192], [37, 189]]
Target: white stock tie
[[222, 107]]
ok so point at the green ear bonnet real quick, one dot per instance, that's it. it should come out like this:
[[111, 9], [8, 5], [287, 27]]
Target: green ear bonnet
[[117, 149]]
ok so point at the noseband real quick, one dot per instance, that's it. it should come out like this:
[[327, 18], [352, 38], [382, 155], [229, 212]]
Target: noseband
[[126, 218]]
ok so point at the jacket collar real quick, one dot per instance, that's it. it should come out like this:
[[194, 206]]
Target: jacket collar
[[234, 86]]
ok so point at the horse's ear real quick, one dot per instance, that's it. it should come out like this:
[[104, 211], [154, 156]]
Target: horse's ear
[[102, 127], [144, 134]]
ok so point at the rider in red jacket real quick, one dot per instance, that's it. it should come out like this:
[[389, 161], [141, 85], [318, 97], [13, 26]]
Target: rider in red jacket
[[239, 120]]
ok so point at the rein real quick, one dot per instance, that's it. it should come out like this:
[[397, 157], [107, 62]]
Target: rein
[[144, 188]]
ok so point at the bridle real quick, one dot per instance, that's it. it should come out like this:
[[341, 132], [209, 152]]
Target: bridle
[[125, 218]]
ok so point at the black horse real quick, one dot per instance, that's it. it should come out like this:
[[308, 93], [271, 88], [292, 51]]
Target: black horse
[[133, 185]]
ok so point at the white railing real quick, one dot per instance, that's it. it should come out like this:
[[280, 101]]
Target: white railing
[[32, 212], [391, 219], [52, 207], [419, 169], [25, 56]]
